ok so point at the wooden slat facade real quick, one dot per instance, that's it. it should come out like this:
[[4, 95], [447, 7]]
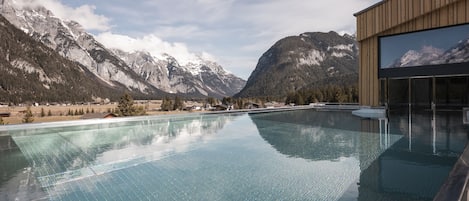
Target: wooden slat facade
[[393, 17]]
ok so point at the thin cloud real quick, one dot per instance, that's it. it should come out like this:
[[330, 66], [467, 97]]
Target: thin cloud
[[190, 11], [186, 32], [152, 44], [85, 14]]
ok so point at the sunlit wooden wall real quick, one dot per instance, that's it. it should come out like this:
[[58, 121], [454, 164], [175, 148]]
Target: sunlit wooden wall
[[398, 16]]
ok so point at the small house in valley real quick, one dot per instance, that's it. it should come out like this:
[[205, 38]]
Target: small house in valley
[[98, 116]]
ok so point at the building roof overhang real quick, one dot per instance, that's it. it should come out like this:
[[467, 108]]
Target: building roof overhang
[[369, 8]]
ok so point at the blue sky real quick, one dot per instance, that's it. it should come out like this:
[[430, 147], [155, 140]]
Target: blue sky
[[235, 33]]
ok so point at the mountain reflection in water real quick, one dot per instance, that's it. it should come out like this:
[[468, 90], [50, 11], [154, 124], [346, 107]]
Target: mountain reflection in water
[[310, 135]]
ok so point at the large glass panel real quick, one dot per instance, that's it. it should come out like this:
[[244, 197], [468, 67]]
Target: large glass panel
[[457, 94], [421, 94], [442, 92], [398, 94], [452, 93]]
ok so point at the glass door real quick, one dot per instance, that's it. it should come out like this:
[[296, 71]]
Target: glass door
[[421, 94]]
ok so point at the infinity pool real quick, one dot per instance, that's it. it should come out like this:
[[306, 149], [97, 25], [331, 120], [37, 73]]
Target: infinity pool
[[289, 155]]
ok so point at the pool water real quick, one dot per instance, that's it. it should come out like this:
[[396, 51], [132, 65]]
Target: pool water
[[289, 155]]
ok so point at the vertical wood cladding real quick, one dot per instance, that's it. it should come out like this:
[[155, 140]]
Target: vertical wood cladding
[[393, 17]]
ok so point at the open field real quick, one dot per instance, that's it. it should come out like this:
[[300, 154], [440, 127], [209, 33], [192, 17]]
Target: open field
[[59, 112]]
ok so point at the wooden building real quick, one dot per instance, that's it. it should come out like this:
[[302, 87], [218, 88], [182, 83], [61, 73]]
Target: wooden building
[[399, 18]]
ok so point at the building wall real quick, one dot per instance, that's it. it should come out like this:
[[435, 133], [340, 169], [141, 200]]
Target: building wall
[[393, 17]]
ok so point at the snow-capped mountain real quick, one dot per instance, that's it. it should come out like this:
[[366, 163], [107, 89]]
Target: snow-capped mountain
[[137, 71], [426, 56], [197, 77], [309, 60], [429, 55], [32, 72], [70, 40], [457, 54]]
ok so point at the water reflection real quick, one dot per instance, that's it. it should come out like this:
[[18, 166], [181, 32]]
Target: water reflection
[[440, 133], [416, 166], [411, 167], [310, 135], [63, 154], [16, 180], [297, 154]]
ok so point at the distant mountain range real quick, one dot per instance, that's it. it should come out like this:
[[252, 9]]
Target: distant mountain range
[[139, 72], [31, 71], [57, 60], [310, 60], [429, 55]]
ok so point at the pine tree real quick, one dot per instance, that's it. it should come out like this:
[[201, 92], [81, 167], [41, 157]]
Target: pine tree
[[43, 114], [49, 113], [212, 101], [167, 104], [28, 117], [178, 103], [1, 121], [299, 100], [227, 100], [126, 106]]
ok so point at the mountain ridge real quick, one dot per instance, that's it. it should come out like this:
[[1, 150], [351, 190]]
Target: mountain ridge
[[33, 72], [429, 55], [73, 42], [309, 60]]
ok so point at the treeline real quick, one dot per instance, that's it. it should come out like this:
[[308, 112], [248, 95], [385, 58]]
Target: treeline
[[331, 93], [169, 104]]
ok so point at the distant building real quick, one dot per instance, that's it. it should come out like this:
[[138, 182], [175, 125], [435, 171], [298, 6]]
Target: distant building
[[5, 114], [223, 107], [98, 116], [193, 108], [273, 104], [251, 105]]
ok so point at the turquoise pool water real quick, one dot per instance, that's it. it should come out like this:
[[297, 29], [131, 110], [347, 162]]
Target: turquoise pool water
[[290, 155]]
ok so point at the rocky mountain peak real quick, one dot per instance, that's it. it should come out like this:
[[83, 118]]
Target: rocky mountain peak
[[137, 71], [429, 55]]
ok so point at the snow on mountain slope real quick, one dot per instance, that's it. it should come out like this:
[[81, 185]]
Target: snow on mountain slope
[[429, 55], [70, 40], [310, 60], [137, 70], [200, 77]]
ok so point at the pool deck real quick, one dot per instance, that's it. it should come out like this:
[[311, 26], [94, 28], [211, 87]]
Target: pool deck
[[456, 186]]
